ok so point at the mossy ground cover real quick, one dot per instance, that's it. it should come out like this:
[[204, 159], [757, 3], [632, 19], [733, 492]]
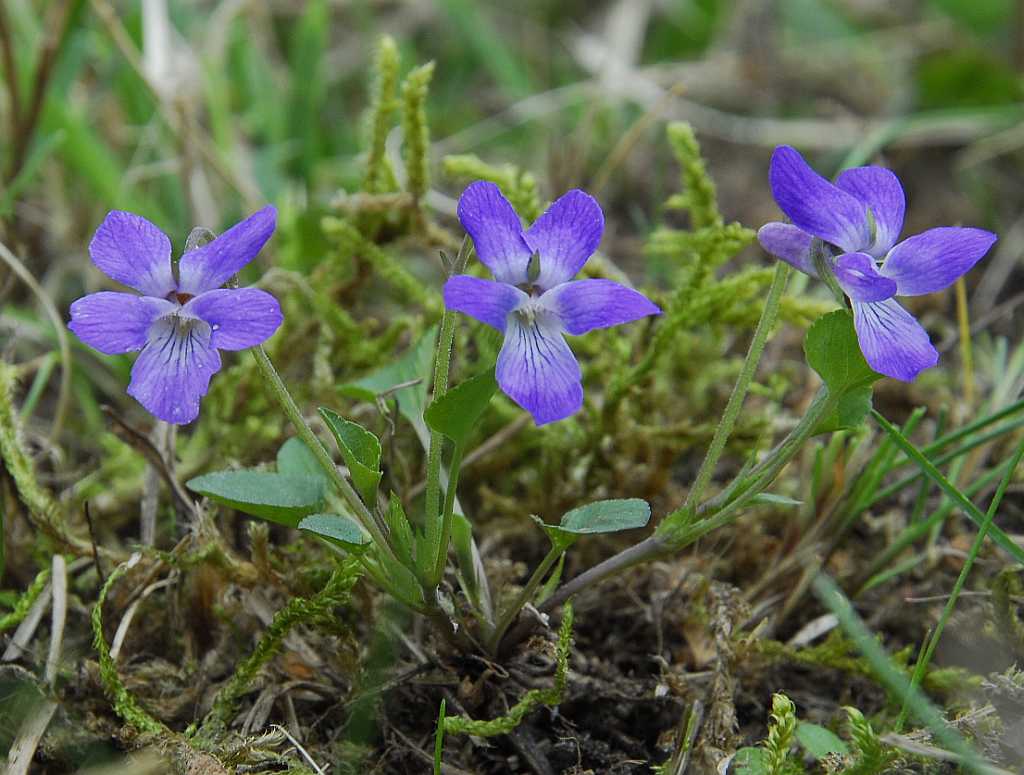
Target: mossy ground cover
[[176, 635]]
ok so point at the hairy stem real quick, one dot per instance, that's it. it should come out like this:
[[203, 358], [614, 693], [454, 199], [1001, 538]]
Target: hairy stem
[[739, 392], [284, 398]]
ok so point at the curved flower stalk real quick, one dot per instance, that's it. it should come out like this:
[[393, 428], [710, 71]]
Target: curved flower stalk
[[856, 223], [182, 318], [533, 299]]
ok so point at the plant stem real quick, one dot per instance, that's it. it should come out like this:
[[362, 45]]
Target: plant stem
[[284, 398], [447, 516], [432, 512], [645, 551], [739, 391], [979, 539], [723, 509], [524, 597]]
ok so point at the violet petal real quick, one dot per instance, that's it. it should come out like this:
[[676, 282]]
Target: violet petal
[[860, 280], [538, 371], [213, 264], [815, 205], [934, 259], [565, 236], [881, 191], [488, 217], [238, 317], [485, 300], [583, 305], [131, 250], [116, 323], [892, 341], [173, 371], [787, 242]]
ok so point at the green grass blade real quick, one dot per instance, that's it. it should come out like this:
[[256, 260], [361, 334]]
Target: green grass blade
[[892, 677], [933, 473]]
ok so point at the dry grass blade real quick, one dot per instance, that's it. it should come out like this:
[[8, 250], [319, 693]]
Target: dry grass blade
[[22, 751]]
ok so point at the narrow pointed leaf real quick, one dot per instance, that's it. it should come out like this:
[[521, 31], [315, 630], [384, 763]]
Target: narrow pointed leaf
[[361, 450], [608, 516], [457, 412], [401, 530]]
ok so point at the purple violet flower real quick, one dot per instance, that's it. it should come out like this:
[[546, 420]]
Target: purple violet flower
[[846, 234], [533, 299], [181, 319]]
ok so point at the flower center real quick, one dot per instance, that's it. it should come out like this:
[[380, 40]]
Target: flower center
[[529, 310], [179, 297]]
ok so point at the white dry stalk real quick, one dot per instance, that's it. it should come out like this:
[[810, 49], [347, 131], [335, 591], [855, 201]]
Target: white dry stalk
[[22, 751], [126, 620], [298, 746], [19, 641]]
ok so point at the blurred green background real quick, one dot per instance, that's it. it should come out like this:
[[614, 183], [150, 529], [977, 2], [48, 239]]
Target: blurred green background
[[194, 112]]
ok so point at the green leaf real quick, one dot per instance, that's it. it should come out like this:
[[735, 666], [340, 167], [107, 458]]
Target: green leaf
[[413, 366], [294, 458], [280, 498], [771, 499], [849, 412], [833, 351], [750, 761], [342, 531], [456, 413], [818, 741], [471, 566], [548, 588], [361, 450], [608, 516]]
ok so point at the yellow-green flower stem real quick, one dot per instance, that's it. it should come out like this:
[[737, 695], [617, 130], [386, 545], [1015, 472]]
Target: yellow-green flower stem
[[323, 457], [739, 392]]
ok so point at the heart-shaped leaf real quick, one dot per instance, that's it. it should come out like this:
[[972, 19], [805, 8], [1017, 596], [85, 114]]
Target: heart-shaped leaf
[[341, 531], [456, 413], [361, 450], [833, 351], [281, 498]]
